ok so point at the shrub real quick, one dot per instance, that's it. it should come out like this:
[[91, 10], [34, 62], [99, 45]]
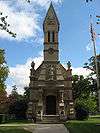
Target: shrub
[[1, 117], [81, 112]]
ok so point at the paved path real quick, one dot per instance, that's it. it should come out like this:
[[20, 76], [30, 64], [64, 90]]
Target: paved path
[[41, 128], [17, 125], [50, 128]]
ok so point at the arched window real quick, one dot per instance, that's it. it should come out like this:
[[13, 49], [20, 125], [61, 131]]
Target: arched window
[[51, 36], [48, 36]]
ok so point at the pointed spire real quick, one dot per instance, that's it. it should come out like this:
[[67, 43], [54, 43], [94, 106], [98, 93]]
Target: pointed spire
[[51, 14], [51, 5]]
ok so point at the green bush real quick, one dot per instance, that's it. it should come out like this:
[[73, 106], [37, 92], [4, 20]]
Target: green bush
[[1, 118], [81, 112]]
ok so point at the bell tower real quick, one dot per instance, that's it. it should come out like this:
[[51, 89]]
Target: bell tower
[[51, 30], [50, 87]]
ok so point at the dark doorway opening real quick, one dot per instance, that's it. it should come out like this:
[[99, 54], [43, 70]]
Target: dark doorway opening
[[51, 105]]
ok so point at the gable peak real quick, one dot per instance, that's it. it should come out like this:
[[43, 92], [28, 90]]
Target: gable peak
[[51, 14], [51, 5]]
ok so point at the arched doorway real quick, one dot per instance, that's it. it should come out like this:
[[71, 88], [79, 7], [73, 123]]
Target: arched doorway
[[51, 105]]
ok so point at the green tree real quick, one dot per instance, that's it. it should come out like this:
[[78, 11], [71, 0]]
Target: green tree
[[81, 87], [14, 96], [3, 76], [84, 93], [3, 70], [26, 94], [91, 65], [4, 24], [17, 104]]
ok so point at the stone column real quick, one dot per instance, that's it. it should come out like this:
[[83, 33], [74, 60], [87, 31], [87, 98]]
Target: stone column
[[61, 105]]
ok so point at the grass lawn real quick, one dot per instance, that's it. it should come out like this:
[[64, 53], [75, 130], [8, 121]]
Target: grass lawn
[[92, 125], [19, 121], [13, 130]]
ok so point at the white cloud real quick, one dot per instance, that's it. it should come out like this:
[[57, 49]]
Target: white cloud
[[23, 17], [45, 3], [25, 25], [19, 75], [81, 71]]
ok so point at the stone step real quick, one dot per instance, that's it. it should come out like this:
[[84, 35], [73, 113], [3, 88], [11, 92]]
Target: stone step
[[50, 119]]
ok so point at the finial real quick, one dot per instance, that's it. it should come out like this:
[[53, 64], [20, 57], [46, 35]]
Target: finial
[[51, 3], [69, 64], [32, 64]]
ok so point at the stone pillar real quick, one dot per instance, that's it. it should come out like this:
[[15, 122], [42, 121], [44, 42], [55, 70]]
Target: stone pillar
[[61, 105], [40, 105], [69, 104], [29, 111]]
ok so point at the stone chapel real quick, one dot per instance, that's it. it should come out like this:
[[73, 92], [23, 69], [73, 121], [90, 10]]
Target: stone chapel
[[51, 84]]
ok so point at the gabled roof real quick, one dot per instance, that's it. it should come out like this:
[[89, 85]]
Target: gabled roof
[[42, 71], [50, 11]]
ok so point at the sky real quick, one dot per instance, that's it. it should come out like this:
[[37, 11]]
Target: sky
[[26, 21]]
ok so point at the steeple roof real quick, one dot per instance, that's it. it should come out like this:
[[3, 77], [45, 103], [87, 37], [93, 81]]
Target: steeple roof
[[51, 14]]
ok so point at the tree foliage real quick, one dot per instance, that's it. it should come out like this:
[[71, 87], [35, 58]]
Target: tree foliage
[[3, 70], [84, 93], [82, 87], [27, 94], [17, 104], [18, 109], [81, 112], [91, 64], [3, 76], [3, 102], [4, 25]]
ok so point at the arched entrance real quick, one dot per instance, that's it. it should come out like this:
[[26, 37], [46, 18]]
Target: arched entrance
[[51, 105]]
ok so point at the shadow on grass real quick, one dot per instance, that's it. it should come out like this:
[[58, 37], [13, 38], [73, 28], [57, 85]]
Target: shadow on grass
[[88, 126], [12, 130], [18, 121]]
